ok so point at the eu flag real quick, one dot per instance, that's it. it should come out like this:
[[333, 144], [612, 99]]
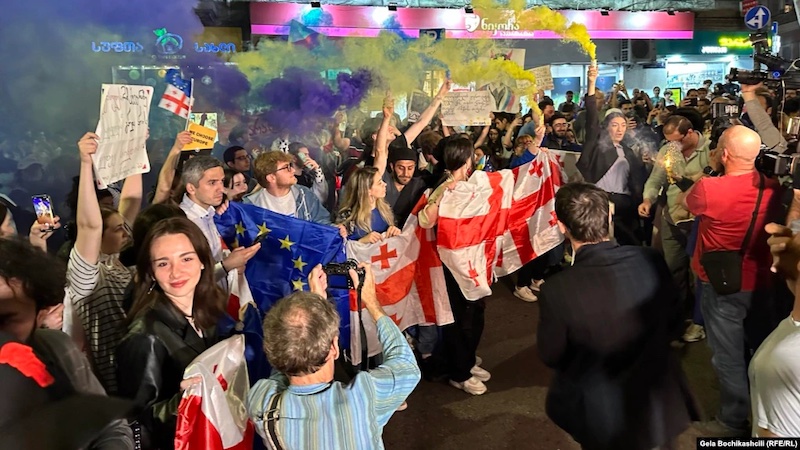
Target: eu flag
[[292, 248], [173, 77]]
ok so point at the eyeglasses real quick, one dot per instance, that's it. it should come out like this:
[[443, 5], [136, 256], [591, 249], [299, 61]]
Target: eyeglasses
[[288, 168]]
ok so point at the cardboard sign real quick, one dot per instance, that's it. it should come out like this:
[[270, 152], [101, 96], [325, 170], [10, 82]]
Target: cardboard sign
[[122, 128], [417, 104], [544, 79], [202, 137], [467, 108]]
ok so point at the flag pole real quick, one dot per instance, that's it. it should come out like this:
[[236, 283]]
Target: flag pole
[[191, 102]]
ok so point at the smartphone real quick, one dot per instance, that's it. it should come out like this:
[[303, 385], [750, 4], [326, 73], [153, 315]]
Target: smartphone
[[693, 101], [43, 207], [259, 238]]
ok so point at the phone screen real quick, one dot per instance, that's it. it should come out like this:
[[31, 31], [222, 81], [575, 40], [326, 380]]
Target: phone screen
[[43, 207]]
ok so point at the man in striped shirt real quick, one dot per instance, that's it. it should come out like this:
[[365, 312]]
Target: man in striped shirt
[[301, 341]]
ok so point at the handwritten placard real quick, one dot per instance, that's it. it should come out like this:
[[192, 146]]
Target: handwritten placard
[[121, 151], [467, 108], [544, 78], [202, 137]]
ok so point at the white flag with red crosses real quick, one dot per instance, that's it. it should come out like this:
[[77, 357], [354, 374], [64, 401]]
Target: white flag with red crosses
[[409, 282], [496, 222]]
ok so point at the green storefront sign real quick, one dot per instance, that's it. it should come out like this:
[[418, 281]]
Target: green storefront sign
[[708, 43]]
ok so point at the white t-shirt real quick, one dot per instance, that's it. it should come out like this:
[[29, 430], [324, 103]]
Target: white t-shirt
[[775, 381], [285, 205]]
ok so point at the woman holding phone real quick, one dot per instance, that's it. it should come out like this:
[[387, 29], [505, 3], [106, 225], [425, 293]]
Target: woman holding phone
[[96, 279], [308, 172], [173, 320]]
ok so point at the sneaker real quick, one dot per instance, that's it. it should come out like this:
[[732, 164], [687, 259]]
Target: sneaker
[[525, 294], [480, 373], [536, 284], [715, 428], [472, 386], [402, 407], [694, 333]]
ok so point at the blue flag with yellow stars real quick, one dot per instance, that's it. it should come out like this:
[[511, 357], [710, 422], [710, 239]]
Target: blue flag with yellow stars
[[292, 248]]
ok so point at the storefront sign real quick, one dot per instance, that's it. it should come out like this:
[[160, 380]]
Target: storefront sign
[[117, 47], [269, 18], [708, 43]]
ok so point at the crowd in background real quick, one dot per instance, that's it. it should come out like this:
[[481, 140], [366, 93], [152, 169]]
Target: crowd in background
[[146, 273]]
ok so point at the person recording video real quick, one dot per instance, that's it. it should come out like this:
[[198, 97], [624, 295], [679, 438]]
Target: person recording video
[[758, 101]]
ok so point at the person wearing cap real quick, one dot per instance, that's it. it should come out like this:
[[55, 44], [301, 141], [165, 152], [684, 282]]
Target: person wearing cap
[[608, 162], [26, 291]]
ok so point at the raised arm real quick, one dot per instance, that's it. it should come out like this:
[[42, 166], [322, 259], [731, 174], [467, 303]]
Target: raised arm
[[482, 138], [88, 217], [167, 174], [130, 199], [381, 143], [340, 142], [508, 137], [427, 115]]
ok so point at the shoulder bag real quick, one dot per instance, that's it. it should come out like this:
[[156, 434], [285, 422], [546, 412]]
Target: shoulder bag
[[724, 267]]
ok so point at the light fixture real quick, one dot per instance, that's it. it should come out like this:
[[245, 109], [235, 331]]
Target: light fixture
[[392, 6], [604, 12], [468, 9], [316, 4], [671, 12]]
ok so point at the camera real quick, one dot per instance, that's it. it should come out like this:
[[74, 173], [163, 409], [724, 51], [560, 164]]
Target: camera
[[779, 73], [775, 164], [343, 269]]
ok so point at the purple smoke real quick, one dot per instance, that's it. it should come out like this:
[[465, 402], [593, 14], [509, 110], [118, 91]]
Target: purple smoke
[[301, 99]]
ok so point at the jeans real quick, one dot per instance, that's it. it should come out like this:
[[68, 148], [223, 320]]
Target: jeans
[[724, 322]]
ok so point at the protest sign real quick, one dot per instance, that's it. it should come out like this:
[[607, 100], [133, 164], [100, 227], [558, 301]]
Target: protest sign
[[417, 104], [467, 108], [122, 128], [202, 137], [544, 78]]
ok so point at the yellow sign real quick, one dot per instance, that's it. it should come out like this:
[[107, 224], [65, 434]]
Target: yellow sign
[[734, 42], [202, 137]]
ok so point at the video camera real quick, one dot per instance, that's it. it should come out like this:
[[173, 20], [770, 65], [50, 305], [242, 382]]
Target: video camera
[[780, 72]]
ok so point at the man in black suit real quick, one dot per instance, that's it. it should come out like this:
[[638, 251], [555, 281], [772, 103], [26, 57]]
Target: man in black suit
[[605, 327]]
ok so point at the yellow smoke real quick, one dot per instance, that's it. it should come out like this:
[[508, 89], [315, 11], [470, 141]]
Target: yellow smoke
[[403, 65]]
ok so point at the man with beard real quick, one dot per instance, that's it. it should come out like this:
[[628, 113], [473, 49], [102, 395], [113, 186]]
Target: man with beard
[[403, 189], [559, 139]]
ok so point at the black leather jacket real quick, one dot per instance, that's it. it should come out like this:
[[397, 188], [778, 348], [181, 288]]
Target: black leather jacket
[[151, 359]]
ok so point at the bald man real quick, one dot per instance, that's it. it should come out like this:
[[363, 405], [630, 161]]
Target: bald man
[[725, 206]]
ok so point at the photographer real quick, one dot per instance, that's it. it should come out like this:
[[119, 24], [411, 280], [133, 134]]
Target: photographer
[[301, 339], [758, 107], [732, 263]]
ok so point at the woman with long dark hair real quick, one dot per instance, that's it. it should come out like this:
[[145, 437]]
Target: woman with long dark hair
[[172, 321], [609, 163], [461, 338]]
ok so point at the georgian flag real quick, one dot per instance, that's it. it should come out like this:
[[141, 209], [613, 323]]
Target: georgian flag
[[409, 282], [175, 101], [494, 223], [212, 414], [178, 96]]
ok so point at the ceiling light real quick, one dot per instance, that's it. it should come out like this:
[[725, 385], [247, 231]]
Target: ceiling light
[[392, 6], [671, 12], [316, 4], [468, 9], [604, 12]]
